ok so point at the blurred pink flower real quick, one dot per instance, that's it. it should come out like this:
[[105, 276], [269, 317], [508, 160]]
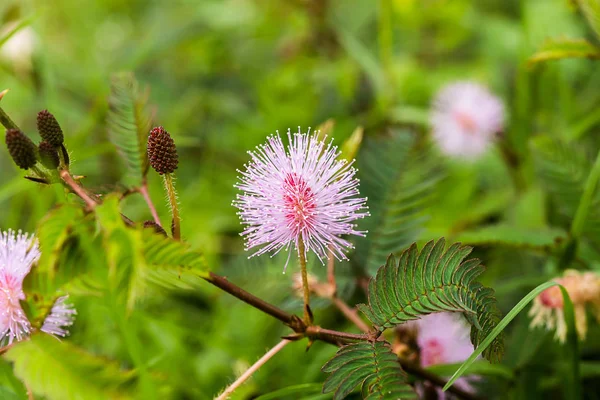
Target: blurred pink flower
[[465, 119], [443, 338], [303, 191], [18, 252], [60, 318]]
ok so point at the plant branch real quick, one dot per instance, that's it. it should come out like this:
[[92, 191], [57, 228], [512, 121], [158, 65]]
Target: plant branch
[[144, 192], [6, 121], [316, 332], [77, 189], [222, 283], [244, 377]]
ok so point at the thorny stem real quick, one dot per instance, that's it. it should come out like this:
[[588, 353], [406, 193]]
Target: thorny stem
[[77, 189], [144, 192], [172, 194], [317, 332], [306, 290], [244, 377]]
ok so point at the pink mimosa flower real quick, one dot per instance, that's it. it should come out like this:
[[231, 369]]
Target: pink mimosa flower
[[60, 318], [302, 192], [443, 338], [18, 252], [466, 118]]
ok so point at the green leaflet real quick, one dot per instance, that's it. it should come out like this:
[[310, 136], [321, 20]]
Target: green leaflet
[[591, 11], [372, 365], [398, 176], [137, 257], [559, 48], [563, 169], [128, 124], [59, 370], [429, 281]]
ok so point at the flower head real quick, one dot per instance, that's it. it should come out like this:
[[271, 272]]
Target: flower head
[[547, 309], [303, 193], [162, 153], [60, 318], [18, 252], [440, 338], [465, 119]]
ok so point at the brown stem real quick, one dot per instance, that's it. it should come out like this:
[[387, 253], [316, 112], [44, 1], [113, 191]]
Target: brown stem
[[435, 379], [316, 332], [351, 314], [78, 190], [244, 377], [222, 283], [144, 191]]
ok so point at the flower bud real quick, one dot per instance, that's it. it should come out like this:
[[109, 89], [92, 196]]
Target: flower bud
[[156, 227], [21, 149], [162, 152], [48, 155], [49, 128]]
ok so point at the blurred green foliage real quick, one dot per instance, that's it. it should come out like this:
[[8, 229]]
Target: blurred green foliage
[[222, 75]]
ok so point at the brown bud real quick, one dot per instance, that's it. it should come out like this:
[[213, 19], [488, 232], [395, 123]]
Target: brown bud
[[157, 228], [48, 155], [162, 152], [21, 148], [49, 128]]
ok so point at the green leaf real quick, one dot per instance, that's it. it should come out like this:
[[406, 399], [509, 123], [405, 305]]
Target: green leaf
[[372, 365], [59, 370], [491, 337], [559, 48], [432, 280], [398, 176], [564, 169], [137, 256], [129, 124], [591, 11], [508, 235]]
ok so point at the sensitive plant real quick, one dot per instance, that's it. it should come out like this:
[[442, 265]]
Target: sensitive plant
[[139, 299]]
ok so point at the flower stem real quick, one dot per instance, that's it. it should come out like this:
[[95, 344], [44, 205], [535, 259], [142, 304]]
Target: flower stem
[[6, 121], [308, 318], [78, 190], [144, 192], [244, 377], [172, 195]]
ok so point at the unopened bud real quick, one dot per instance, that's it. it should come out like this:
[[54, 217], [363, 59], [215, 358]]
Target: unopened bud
[[21, 148], [49, 128], [162, 152], [156, 227], [48, 155]]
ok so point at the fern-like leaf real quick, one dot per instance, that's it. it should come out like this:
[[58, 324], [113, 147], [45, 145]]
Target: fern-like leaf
[[398, 175], [429, 281], [58, 370], [372, 365], [129, 124]]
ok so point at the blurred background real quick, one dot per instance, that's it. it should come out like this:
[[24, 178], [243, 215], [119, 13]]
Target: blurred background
[[222, 75]]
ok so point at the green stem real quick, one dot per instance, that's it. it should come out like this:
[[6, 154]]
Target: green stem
[[301, 254], [6, 121], [586, 200], [172, 195]]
